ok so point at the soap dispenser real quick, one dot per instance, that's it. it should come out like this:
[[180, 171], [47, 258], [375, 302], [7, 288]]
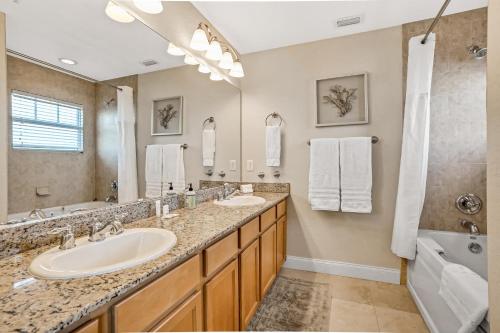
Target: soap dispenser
[[170, 189], [190, 197]]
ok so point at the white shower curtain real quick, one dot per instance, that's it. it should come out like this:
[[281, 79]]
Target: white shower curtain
[[415, 148], [127, 165]]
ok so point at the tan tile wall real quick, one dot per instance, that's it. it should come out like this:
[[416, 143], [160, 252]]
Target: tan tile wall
[[70, 176], [457, 155]]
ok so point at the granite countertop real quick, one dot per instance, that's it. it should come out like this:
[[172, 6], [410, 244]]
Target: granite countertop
[[29, 304]]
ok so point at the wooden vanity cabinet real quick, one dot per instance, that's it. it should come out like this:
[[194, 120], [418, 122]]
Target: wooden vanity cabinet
[[221, 300], [249, 283], [90, 327], [186, 318], [267, 259], [280, 242]]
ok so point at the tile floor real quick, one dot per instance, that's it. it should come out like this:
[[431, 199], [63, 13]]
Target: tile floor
[[366, 306]]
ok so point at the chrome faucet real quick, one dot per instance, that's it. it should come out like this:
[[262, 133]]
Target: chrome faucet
[[228, 191], [471, 226], [38, 213], [67, 240], [99, 231]]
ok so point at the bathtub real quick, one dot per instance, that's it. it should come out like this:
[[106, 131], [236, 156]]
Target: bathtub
[[424, 275], [58, 211]]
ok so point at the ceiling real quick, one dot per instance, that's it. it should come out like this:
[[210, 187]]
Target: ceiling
[[79, 29], [258, 26]]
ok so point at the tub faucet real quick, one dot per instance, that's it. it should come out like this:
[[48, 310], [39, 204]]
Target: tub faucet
[[471, 226]]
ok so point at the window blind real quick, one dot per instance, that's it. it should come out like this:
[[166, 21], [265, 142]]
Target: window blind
[[40, 123]]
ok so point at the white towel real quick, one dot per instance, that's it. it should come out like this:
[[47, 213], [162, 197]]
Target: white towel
[[208, 147], [466, 293], [153, 170], [324, 191], [356, 175], [173, 168], [273, 146]]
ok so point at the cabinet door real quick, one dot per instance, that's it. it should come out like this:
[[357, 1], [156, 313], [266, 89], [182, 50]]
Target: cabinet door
[[90, 327], [188, 317], [221, 300], [249, 283], [281, 243], [267, 259]]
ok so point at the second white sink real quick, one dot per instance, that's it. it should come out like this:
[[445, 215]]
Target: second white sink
[[131, 248], [239, 201]]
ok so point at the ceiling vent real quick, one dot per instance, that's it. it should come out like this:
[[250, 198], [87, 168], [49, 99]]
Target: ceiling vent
[[148, 63], [344, 21]]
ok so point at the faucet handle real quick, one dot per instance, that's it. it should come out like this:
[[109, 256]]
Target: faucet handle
[[67, 236]]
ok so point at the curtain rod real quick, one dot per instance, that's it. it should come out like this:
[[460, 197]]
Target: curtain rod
[[436, 19]]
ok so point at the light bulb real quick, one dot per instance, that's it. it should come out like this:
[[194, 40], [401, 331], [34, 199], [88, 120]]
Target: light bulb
[[199, 40], [214, 51], [237, 70], [214, 76], [149, 6], [203, 69], [117, 13], [174, 50], [190, 60], [227, 61]]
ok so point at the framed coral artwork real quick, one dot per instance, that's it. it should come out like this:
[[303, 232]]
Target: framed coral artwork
[[341, 100], [166, 116]]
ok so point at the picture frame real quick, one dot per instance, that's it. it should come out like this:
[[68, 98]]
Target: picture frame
[[341, 100], [167, 116]]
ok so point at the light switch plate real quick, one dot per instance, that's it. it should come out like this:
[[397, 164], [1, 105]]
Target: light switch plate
[[232, 165], [249, 165]]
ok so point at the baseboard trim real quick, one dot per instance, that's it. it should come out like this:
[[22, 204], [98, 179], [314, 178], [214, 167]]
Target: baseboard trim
[[374, 273]]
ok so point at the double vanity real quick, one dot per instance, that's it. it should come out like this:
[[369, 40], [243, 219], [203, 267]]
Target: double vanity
[[204, 270]]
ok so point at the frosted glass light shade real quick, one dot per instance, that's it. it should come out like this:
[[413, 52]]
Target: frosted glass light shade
[[237, 70], [190, 60], [174, 50], [214, 76], [149, 6], [227, 61], [199, 40], [117, 13], [203, 69], [214, 51]]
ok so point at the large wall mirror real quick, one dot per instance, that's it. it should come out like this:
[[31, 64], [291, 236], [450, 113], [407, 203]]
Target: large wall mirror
[[63, 134]]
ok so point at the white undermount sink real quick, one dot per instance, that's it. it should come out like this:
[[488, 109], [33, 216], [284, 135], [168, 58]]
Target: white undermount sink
[[131, 248], [241, 201]]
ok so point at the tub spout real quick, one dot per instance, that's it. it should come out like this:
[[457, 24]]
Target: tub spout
[[471, 226]]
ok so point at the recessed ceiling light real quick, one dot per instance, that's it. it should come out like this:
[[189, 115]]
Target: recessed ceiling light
[[68, 61]]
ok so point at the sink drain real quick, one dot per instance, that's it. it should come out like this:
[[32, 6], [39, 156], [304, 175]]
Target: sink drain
[[475, 248]]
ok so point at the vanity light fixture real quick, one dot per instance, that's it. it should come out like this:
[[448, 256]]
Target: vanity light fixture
[[202, 68], [190, 60], [117, 13], [67, 61], [199, 41], [149, 6], [174, 50], [226, 61], [214, 51], [214, 76], [237, 70]]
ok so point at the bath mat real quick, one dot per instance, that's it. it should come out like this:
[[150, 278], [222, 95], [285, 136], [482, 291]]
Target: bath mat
[[293, 305]]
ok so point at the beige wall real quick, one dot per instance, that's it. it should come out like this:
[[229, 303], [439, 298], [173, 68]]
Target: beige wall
[[69, 176], [3, 121], [493, 107], [202, 98], [281, 80], [457, 152], [106, 136]]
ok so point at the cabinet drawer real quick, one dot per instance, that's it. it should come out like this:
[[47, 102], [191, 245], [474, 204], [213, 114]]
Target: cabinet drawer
[[220, 253], [281, 209], [249, 232], [267, 218], [186, 318], [90, 327], [141, 310]]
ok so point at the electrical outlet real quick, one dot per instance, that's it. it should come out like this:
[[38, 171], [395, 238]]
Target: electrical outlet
[[249, 165], [232, 165]]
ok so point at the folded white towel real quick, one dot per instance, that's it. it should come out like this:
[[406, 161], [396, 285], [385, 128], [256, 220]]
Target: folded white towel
[[208, 147], [324, 191], [466, 293], [173, 168], [273, 146], [356, 175], [153, 170], [246, 188]]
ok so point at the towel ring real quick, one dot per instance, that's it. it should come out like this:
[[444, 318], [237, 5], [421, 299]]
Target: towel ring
[[274, 115], [209, 120]]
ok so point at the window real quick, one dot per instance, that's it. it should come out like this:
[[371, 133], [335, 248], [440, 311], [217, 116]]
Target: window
[[39, 123]]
